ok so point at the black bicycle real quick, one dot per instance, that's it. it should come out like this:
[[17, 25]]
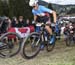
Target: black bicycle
[[32, 43], [10, 44]]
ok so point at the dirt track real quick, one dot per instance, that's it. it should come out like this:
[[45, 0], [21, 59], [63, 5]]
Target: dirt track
[[61, 55]]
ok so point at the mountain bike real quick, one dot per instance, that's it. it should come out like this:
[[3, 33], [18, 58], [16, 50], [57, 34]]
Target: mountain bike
[[31, 45], [9, 46]]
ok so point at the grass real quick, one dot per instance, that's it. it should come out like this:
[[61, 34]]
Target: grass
[[61, 55]]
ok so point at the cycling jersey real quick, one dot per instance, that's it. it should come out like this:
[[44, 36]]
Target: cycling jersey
[[41, 10]]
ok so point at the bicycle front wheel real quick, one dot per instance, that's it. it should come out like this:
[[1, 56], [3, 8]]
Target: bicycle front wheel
[[11, 44], [31, 46]]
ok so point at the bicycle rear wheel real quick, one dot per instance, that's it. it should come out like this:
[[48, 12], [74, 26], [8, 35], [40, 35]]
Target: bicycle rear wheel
[[31, 46], [11, 44]]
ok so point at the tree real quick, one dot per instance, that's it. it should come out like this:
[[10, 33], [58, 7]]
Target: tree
[[4, 8], [19, 7], [1, 12], [22, 8], [11, 8]]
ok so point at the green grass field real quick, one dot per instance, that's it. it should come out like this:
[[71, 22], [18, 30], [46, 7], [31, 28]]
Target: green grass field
[[61, 55]]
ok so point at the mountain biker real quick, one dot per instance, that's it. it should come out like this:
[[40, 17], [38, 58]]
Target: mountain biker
[[41, 14]]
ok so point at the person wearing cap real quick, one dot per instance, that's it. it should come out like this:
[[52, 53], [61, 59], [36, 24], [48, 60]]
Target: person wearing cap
[[41, 14]]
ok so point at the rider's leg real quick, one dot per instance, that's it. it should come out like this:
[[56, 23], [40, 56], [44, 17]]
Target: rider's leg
[[48, 29], [52, 39]]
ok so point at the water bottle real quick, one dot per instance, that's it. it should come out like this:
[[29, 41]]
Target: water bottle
[[37, 29]]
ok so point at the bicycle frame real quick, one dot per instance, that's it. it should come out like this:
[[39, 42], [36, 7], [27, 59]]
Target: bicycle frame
[[42, 32]]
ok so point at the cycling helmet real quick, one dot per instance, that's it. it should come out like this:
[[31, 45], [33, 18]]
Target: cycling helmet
[[33, 2]]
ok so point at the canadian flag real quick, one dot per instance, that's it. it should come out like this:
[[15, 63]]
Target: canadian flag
[[23, 32]]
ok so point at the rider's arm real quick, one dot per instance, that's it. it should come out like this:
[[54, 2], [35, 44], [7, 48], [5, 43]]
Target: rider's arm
[[35, 17], [54, 16]]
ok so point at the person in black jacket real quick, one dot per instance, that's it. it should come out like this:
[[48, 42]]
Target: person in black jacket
[[4, 25], [21, 21], [14, 22], [28, 23]]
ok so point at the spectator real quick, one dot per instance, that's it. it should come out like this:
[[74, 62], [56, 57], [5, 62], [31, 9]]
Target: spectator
[[14, 22], [21, 23], [9, 23], [5, 25], [1, 22], [28, 23]]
